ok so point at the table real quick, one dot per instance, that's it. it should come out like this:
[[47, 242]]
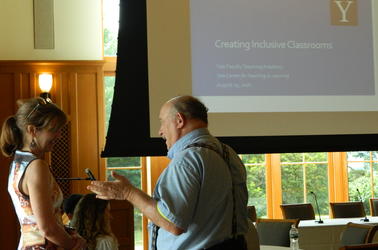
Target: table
[[326, 236]]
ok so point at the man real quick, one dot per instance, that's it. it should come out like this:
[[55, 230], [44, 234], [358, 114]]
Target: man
[[194, 198]]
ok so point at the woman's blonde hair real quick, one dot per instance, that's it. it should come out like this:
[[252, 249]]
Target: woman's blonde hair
[[38, 112]]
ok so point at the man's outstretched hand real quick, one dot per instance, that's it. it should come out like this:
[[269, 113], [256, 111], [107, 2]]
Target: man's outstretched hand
[[119, 189]]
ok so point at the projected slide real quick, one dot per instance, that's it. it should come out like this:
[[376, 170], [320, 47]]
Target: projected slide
[[302, 55], [277, 75]]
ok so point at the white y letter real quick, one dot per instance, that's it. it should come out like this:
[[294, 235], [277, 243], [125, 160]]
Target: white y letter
[[343, 10]]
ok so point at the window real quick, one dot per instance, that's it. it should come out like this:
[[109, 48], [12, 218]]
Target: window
[[255, 166], [110, 26], [302, 173], [275, 179], [109, 92], [362, 175], [131, 167]]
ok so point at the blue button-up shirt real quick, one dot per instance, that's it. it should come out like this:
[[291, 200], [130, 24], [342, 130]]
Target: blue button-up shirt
[[195, 193]]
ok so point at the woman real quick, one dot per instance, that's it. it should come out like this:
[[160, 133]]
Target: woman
[[91, 219], [36, 196]]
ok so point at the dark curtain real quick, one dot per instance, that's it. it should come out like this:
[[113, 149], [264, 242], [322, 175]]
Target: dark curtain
[[128, 133]]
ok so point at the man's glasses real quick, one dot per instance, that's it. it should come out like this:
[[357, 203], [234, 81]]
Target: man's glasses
[[41, 101]]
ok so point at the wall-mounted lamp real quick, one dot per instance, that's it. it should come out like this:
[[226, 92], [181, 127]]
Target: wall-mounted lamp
[[45, 82]]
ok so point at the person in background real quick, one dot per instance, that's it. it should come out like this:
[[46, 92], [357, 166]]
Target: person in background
[[91, 219], [69, 205], [36, 196], [200, 199]]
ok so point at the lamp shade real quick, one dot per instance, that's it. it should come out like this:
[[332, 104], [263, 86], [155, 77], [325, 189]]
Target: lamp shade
[[45, 82]]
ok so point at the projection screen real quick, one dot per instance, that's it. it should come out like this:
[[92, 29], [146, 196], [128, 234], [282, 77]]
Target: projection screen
[[277, 76]]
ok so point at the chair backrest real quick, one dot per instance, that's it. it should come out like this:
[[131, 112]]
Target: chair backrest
[[373, 206], [275, 232], [358, 234], [252, 237], [347, 209], [303, 211], [361, 246], [252, 213]]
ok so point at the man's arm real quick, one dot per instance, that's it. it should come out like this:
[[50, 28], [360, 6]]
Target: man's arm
[[122, 189]]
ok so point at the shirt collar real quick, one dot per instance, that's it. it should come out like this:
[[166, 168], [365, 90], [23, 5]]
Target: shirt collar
[[181, 143]]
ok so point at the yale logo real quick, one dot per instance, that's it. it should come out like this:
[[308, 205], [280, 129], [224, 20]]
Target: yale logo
[[344, 12]]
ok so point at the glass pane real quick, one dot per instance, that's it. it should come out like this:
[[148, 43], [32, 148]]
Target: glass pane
[[109, 82], [375, 180], [359, 178], [292, 184], [253, 158], [111, 26], [257, 189], [134, 176], [374, 155], [358, 156], [138, 241], [317, 182], [123, 162], [292, 157], [316, 157]]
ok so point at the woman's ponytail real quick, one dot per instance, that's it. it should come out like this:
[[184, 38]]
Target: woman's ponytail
[[11, 137]]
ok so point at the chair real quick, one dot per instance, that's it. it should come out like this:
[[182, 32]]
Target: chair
[[373, 206], [361, 246], [275, 232], [347, 209], [358, 234], [252, 213], [251, 237], [303, 211]]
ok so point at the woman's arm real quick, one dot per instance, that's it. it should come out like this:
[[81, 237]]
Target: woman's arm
[[37, 183]]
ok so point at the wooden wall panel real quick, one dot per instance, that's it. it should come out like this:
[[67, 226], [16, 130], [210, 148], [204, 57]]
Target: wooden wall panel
[[9, 232], [156, 166], [75, 90], [122, 223], [87, 125], [78, 90]]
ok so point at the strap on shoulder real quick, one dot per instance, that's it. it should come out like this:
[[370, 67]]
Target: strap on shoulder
[[226, 158]]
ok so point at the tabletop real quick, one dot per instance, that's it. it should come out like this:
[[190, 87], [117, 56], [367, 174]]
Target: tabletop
[[337, 222]]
